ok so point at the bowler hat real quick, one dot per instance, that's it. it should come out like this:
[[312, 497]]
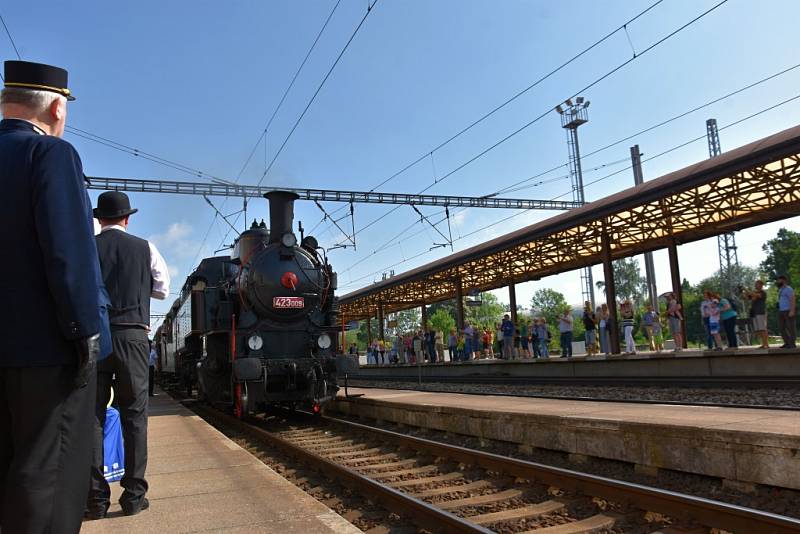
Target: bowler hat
[[113, 205]]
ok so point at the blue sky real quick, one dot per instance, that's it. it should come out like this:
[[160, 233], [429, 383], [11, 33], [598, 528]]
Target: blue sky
[[195, 82]]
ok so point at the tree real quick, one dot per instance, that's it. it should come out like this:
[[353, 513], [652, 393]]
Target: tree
[[783, 256], [362, 339], [487, 314], [549, 303], [447, 305], [628, 280], [740, 275], [407, 321], [442, 321]]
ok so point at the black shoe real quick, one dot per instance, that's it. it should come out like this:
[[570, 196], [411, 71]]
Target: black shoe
[[145, 504], [93, 515]]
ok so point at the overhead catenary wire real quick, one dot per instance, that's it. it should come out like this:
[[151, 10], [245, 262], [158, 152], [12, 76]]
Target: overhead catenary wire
[[275, 111], [286, 91], [133, 151], [515, 96], [512, 187], [336, 223], [370, 8], [114, 144], [392, 242], [693, 140], [13, 44], [316, 92], [605, 177], [546, 112]]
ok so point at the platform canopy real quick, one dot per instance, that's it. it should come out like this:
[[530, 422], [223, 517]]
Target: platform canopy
[[751, 185]]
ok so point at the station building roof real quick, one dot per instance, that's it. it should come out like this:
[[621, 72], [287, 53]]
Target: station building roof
[[747, 186]]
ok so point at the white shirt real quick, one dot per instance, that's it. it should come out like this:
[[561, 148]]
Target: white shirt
[[158, 267], [36, 128]]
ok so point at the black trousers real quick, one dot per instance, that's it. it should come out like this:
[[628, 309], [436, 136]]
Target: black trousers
[[151, 380], [45, 449], [127, 370], [787, 327]]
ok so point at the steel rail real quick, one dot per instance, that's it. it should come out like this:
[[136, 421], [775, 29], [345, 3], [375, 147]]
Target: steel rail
[[423, 514], [412, 383], [706, 381], [679, 506]]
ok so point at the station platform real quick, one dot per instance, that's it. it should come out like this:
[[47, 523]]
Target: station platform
[[201, 481], [738, 445], [747, 362]]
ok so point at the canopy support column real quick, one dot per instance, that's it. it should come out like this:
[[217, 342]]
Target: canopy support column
[[512, 300], [381, 322], [459, 305], [611, 293], [675, 273]]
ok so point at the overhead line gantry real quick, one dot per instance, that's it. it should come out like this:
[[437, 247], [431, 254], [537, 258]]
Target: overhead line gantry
[[223, 189]]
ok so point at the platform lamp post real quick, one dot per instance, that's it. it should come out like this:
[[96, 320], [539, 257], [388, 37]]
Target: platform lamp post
[[573, 114]]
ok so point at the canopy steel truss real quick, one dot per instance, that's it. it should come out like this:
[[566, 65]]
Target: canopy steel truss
[[751, 185], [324, 195]]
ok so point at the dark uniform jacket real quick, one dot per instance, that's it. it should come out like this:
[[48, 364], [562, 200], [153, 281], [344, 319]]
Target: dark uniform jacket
[[49, 275], [125, 267]]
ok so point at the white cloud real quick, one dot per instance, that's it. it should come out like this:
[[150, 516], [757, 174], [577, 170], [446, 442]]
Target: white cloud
[[175, 242]]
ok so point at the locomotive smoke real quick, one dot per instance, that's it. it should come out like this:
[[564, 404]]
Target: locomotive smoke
[[281, 213]]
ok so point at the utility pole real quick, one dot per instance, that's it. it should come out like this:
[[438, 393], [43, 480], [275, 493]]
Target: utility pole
[[726, 243], [573, 114], [649, 267]]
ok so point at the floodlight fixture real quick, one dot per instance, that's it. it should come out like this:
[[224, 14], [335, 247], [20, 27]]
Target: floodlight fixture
[[579, 100], [586, 104], [560, 109], [568, 102]]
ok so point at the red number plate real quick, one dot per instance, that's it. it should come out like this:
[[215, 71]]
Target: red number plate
[[288, 302]]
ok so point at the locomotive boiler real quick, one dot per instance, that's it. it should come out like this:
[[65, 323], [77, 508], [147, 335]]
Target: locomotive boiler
[[258, 327]]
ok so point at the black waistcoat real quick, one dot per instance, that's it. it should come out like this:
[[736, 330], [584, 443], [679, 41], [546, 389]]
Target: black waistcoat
[[125, 264]]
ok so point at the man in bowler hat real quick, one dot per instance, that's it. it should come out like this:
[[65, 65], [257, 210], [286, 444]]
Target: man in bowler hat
[[133, 271], [51, 308]]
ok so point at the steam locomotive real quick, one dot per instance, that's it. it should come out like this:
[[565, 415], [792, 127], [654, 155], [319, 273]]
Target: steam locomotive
[[257, 328]]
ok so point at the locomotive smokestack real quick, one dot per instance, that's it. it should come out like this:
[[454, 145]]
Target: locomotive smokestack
[[281, 213]]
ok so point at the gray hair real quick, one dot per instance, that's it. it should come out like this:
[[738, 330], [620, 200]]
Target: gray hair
[[35, 100]]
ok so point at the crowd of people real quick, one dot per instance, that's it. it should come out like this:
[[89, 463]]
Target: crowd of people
[[532, 338], [473, 342]]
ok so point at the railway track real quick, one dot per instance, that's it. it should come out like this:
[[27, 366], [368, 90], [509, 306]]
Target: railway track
[[677, 381], [430, 387], [446, 488]]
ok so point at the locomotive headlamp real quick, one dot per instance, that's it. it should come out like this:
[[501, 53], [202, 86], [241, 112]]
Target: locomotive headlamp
[[288, 240], [255, 342], [324, 341]]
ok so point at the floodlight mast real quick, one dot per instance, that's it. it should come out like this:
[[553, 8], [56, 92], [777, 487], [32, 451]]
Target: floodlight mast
[[726, 243], [573, 114]]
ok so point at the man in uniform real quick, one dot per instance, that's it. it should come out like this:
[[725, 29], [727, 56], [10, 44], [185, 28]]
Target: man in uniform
[[133, 271], [50, 312]]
